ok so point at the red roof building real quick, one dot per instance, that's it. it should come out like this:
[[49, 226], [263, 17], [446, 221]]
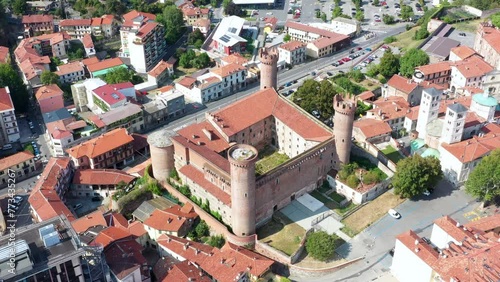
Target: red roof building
[[126, 262], [175, 221], [185, 271]]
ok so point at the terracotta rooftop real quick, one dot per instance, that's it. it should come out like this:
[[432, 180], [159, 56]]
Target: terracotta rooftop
[[327, 41], [139, 169], [202, 23], [390, 108], [102, 144], [315, 30], [109, 235], [189, 250], [17, 158], [197, 177], [160, 68], [463, 100], [75, 22], [205, 133], [101, 177], [435, 68], [189, 10], [463, 52], [4, 54], [135, 228], [146, 29], [476, 147], [292, 45], [5, 100], [372, 127], [227, 70], [171, 219], [185, 271], [87, 41], [44, 198], [187, 81], [134, 14], [402, 84], [485, 224], [90, 61], [124, 257], [474, 66], [70, 68], [105, 64], [235, 58], [48, 91], [491, 35], [367, 95], [30, 19], [90, 220]]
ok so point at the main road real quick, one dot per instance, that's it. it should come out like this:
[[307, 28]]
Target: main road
[[197, 114]]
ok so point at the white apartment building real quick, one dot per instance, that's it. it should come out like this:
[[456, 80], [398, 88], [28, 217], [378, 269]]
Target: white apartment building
[[82, 93], [345, 26], [293, 52], [143, 41], [9, 130], [77, 28], [469, 72], [71, 72]]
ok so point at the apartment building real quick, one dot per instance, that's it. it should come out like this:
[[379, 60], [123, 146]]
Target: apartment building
[[162, 71], [293, 52], [349, 27], [313, 36], [143, 40], [70, 72], [82, 91], [49, 98], [192, 13], [227, 38], [391, 110], [88, 45], [166, 103], [437, 73], [37, 24], [9, 130], [76, 28], [470, 72], [487, 44], [22, 164], [110, 150]]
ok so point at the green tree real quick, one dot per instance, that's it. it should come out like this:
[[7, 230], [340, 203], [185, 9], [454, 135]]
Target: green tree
[[321, 246], [421, 33], [19, 94], [388, 19], [323, 16], [118, 75], [495, 19], [337, 12], [233, 10], [195, 36], [287, 38], [48, 77], [360, 16], [389, 64], [390, 39], [411, 59], [376, 2], [19, 7], [202, 229], [187, 58], [173, 21], [406, 12], [313, 95], [484, 180], [202, 61], [216, 241], [225, 4], [416, 174], [356, 75], [372, 70]]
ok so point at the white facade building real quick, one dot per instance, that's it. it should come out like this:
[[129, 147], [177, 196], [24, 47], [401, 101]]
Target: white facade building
[[429, 110], [9, 130], [454, 121]]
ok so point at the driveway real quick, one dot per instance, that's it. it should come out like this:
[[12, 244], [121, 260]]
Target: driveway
[[375, 242]]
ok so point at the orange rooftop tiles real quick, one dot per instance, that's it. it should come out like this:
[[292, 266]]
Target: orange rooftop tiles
[[17, 158], [372, 127], [463, 52], [292, 45], [102, 144], [48, 91]]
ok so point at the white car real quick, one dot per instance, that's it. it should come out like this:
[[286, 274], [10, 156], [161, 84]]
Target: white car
[[394, 214], [427, 193]]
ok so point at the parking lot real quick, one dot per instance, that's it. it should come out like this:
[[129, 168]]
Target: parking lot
[[20, 212], [82, 205]]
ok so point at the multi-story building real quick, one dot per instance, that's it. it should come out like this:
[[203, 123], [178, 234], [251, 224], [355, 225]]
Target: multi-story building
[[162, 71], [437, 73], [461, 53], [46, 251], [129, 116], [192, 13], [41, 6], [88, 45], [82, 93], [77, 28], [391, 110], [107, 97], [70, 72], [49, 98], [22, 164], [47, 197], [293, 52], [38, 24], [89, 182], [203, 25], [469, 72], [143, 40], [487, 44], [454, 252], [227, 37], [9, 129], [103, 26], [126, 262], [349, 27], [110, 150], [166, 103], [320, 42], [98, 68], [175, 221]]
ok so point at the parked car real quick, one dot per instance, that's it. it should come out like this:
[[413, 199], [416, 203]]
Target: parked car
[[288, 84], [427, 193], [316, 114], [7, 147], [77, 206], [329, 73], [368, 49], [394, 214], [391, 252], [340, 62], [96, 199], [18, 198]]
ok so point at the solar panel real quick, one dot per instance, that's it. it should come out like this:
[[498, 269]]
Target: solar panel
[[114, 95], [233, 29], [225, 38]]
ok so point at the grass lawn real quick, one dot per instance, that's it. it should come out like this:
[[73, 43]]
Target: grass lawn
[[345, 209], [269, 159], [336, 197], [370, 85], [469, 26], [283, 235], [370, 213], [405, 39], [392, 154], [329, 204]]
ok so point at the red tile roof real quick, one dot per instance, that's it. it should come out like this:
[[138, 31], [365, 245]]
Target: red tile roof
[[135, 228], [463, 52], [105, 64], [125, 257], [189, 250], [372, 127], [90, 220], [187, 81], [134, 14], [139, 169], [101, 177], [205, 133], [491, 35], [315, 30], [197, 177], [17, 158], [227, 70], [102, 144], [44, 199], [476, 147], [48, 91], [435, 68], [75, 22], [109, 94], [30, 19], [202, 23], [474, 66], [109, 235], [4, 54], [5, 100], [485, 224], [70, 68], [87, 41], [292, 45], [326, 41], [390, 108], [146, 29], [365, 95], [235, 58], [171, 219], [90, 61], [266, 103], [160, 68], [402, 84], [185, 271], [189, 9]]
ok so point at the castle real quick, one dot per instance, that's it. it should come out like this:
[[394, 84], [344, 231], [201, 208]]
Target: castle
[[221, 158]]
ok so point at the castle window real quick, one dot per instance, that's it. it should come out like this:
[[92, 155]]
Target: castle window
[[277, 181], [246, 195]]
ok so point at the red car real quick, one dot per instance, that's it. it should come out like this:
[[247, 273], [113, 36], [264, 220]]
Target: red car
[[346, 59], [340, 62]]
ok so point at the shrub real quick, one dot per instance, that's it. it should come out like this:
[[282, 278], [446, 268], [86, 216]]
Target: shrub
[[321, 246], [216, 241], [202, 229], [174, 174], [390, 39], [352, 181], [184, 189]]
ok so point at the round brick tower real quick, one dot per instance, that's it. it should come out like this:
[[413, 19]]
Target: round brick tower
[[242, 159], [342, 129], [268, 68], [162, 153]]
